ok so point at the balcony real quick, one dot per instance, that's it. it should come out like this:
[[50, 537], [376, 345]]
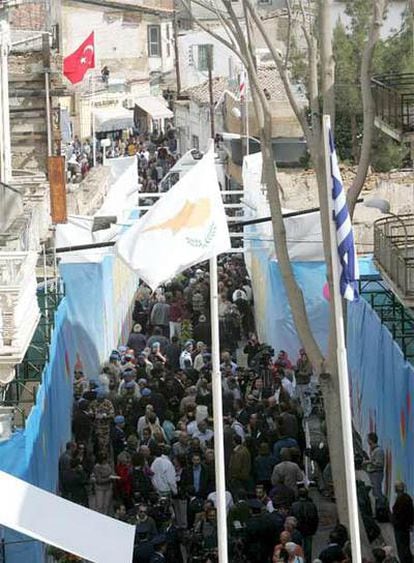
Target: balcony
[[394, 105], [394, 254], [19, 310]]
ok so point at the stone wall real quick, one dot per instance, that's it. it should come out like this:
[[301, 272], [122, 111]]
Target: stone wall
[[27, 100], [300, 192]]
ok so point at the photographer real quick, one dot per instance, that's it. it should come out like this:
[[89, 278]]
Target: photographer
[[252, 348]]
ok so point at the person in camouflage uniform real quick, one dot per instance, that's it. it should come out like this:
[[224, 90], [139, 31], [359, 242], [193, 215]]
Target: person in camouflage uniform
[[128, 406], [103, 412]]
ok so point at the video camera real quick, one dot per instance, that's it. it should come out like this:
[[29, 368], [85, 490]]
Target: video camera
[[263, 356]]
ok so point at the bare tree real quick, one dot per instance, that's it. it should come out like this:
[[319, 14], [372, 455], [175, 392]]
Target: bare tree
[[315, 25]]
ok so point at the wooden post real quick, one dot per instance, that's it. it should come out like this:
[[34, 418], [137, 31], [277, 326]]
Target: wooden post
[[58, 208]]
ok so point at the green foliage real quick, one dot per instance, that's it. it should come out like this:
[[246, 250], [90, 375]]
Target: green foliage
[[298, 64], [387, 154], [393, 55]]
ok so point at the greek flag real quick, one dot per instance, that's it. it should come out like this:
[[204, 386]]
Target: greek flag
[[349, 271]]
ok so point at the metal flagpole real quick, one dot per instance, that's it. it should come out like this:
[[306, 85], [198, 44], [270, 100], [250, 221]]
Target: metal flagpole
[[218, 417], [93, 121], [246, 113], [344, 393]]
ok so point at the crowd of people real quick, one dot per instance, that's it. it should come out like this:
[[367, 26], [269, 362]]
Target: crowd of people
[[156, 154], [143, 438], [79, 159], [143, 448]]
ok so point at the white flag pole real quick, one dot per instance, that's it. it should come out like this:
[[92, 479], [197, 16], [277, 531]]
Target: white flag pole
[[218, 417], [246, 113], [344, 393], [93, 121]]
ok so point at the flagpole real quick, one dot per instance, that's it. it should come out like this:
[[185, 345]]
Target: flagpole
[[218, 417], [246, 113], [344, 392], [93, 121]]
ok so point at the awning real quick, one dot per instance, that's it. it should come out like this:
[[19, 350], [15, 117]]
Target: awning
[[155, 107], [113, 119]]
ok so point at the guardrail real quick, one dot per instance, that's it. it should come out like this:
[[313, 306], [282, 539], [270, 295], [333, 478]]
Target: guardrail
[[394, 251], [394, 100]]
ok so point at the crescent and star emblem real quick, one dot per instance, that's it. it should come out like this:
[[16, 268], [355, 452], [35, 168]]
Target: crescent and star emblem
[[85, 56]]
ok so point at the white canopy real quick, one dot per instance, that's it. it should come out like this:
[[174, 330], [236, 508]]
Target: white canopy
[[155, 107], [112, 119], [64, 524]]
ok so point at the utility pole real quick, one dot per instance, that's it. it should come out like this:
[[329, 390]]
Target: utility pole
[[5, 142], [210, 87], [177, 60]]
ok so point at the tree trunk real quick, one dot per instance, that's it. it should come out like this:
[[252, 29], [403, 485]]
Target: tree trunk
[[354, 135]]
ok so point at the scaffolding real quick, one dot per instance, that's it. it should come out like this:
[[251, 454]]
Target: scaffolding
[[398, 319]]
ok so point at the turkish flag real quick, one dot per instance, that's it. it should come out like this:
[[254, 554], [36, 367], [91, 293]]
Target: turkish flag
[[76, 64]]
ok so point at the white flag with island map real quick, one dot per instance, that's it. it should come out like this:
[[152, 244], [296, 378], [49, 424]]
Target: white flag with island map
[[186, 226]]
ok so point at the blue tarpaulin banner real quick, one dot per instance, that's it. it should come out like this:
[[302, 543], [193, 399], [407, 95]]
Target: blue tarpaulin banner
[[32, 454], [382, 382], [382, 392], [94, 317]]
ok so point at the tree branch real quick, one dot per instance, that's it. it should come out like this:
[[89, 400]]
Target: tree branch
[[226, 43], [368, 105], [327, 60], [289, 34], [282, 71]]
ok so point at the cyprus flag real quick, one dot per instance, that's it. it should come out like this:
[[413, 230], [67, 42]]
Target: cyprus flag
[[186, 226]]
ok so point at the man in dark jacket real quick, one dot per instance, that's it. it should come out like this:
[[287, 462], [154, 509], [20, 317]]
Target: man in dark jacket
[[172, 353], [137, 340], [75, 483], [202, 331], [196, 476], [402, 520], [306, 513]]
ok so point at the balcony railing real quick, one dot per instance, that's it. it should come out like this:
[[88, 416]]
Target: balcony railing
[[19, 310], [394, 101], [394, 252]]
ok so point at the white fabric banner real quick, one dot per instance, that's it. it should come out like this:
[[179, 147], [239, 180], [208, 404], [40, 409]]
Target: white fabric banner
[[186, 226], [64, 524]]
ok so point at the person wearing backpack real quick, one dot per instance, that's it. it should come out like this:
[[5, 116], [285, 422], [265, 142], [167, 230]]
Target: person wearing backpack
[[306, 513]]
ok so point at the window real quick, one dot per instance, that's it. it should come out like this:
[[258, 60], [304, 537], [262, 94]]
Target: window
[[203, 57], [195, 144], [168, 32], [154, 41]]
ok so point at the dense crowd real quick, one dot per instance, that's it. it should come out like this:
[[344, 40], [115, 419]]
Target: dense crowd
[[143, 437], [156, 154], [143, 448]]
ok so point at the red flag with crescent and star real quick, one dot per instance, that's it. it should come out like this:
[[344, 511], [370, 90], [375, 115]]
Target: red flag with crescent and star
[[76, 64]]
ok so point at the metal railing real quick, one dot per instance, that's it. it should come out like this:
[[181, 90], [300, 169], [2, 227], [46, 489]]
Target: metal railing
[[394, 251], [394, 100], [233, 205], [398, 319]]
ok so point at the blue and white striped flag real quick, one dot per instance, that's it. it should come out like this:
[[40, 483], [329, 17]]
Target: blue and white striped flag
[[349, 270]]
